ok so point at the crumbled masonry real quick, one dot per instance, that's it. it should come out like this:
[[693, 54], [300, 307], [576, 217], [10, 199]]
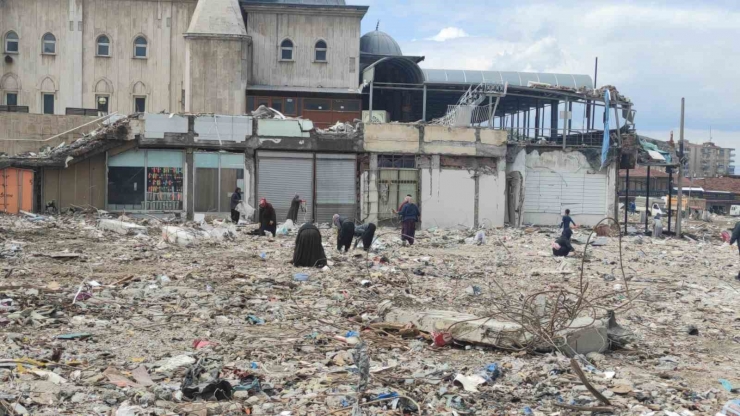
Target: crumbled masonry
[[106, 315]]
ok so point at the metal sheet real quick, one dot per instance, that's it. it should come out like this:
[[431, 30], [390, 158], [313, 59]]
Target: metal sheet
[[281, 175], [223, 128], [156, 125], [553, 192], [456, 76], [335, 186]]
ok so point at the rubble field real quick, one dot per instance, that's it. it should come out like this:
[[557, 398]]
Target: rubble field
[[153, 317]]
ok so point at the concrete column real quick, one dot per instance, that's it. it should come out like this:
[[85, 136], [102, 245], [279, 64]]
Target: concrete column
[[190, 185], [554, 119], [69, 49]]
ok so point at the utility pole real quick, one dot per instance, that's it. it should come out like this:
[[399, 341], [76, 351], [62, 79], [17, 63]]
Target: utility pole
[[679, 211]]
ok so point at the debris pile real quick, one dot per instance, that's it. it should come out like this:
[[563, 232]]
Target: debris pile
[[115, 316]]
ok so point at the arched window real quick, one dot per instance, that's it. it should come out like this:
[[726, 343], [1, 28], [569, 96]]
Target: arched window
[[320, 51], [140, 47], [49, 44], [286, 50], [103, 46], [11, 42]]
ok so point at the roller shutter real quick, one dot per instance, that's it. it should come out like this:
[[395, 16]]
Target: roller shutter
[[281, 175], [335, 186], [552, 192]]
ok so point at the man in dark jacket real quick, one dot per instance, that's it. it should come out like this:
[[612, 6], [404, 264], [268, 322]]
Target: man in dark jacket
[[236, 198], [410, 215], [563, 243], [268, 220]]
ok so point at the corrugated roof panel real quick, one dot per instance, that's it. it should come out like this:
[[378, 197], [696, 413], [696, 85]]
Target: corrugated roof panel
[[492, 77], [456, 77], [512, 78], [527, 77], [583, 81], [474, 77], [303, 2], [435, 76], [548, 79], [565, 80]]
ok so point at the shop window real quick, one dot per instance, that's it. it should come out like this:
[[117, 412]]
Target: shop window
[[150, 180], [347, 105], [217, 175], [397, 161], [316, 104]]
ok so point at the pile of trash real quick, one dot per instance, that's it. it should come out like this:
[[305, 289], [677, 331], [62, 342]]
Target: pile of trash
[[105, 315]]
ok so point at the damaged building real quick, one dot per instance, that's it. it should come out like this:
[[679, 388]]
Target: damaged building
[[355, 124]]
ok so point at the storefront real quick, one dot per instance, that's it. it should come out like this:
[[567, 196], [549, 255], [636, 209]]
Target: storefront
[[146, 180], [217, 175]]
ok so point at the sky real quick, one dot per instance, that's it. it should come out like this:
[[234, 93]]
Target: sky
[[654, 52]]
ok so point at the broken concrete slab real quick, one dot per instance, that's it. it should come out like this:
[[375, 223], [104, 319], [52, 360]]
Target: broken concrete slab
[[121, 227], [583, 336]]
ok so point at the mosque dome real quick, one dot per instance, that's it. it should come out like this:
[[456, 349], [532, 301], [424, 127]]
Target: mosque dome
[[379, 43]]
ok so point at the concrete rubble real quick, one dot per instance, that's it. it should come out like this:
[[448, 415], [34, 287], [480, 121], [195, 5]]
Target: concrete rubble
[[159, 316]]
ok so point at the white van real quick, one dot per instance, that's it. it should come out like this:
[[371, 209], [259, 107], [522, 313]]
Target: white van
[[735, 210]]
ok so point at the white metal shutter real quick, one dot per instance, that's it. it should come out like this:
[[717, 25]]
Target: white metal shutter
[[280, 176], [552, 192], [335, 186]]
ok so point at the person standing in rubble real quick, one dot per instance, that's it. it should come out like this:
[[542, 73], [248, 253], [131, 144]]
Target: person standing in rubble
[[345, 233], [236, 199], [562, 246], [736, 238], [657, 227], [567, 221], [365, 232], [267, 218], [295, 206], [410, 215]]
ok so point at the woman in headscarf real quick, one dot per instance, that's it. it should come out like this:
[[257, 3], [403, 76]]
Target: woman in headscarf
[[268, 220], [308, 251], [365, 232], [236, 198], [295, 206], [346, 232]]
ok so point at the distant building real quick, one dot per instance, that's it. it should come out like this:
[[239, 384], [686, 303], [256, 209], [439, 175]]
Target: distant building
[[708, 160]]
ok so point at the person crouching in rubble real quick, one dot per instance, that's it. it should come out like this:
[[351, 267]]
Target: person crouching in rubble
[[346, 231], [268, 220], [365, 232], [561, 247], [236, 198], [308, 251]]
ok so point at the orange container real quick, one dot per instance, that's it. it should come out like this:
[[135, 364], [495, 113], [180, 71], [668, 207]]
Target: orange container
[[16, 190]]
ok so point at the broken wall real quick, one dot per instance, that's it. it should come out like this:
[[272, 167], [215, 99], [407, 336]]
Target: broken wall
[[462, 192], [554, 179], [21, 132], [82, 184]]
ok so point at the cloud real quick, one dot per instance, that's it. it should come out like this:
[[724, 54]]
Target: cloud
[[449, 33]]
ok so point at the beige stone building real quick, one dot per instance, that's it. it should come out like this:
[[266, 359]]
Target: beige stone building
[[708, 160], [202, 56]]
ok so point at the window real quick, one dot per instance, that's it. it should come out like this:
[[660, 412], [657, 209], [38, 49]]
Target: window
[[286, 50], [103, 102], [139, 104], [320, 51], [216, 177], [277, 104], [11, 98], [140, 47], [48, 103], [49, 44], [397, 161], [289, 106], [347, 105], [103, 46], [11, 42], [314, 104]]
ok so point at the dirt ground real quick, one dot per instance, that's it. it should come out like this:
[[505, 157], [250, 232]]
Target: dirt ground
[[98, 323]]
